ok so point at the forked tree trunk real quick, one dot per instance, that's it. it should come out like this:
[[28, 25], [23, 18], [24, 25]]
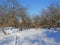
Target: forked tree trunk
[[3, 30]]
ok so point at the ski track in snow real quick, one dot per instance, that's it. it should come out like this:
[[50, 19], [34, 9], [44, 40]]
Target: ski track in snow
[[31, 37]]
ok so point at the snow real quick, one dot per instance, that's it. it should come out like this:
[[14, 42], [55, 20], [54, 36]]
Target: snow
[[31, 36]]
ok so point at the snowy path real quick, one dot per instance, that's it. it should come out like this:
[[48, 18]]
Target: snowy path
[[31, 37]]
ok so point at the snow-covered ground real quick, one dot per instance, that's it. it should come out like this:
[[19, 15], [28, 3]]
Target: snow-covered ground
[[30, 37]]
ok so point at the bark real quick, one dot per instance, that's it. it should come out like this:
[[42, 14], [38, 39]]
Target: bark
[[3, 30]]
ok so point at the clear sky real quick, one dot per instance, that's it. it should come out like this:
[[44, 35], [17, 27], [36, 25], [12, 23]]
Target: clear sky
[[35, 6]]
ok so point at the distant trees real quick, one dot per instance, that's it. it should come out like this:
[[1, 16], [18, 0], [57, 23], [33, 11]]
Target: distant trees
[[36, 21], [49, 17]]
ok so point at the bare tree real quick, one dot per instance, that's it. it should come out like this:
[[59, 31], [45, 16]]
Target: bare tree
[[51, 16], [9, 14]]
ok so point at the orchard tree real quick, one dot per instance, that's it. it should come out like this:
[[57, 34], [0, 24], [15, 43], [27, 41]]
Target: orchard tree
[[51, 16], [10, 13]]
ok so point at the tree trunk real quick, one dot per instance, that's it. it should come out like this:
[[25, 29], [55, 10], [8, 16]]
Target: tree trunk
[[3, 30]]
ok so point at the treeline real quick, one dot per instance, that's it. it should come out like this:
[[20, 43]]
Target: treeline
[[13, 14], [49, 17]]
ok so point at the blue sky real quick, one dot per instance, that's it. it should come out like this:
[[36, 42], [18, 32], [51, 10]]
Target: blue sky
[[35, 6]]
